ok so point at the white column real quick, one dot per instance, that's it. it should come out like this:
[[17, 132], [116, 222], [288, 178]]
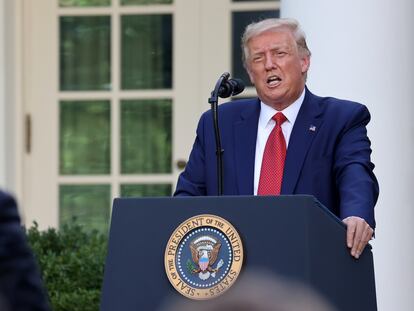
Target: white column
[[11, 138], [2, 100], [363, 51]]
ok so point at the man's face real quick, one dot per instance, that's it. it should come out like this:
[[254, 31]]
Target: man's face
[[276, 68]]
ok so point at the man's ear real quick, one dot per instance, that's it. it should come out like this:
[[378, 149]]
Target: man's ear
[[305, 63]]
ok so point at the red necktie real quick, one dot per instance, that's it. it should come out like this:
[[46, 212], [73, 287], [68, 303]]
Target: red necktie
[[271, 172]]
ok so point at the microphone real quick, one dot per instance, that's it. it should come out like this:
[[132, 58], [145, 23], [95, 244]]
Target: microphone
[[225, 87], [230, 87]]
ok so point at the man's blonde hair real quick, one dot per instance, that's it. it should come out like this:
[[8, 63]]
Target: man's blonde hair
[[274, 25]]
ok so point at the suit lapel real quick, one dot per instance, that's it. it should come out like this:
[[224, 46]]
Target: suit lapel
[[304, 130], [245, 133]]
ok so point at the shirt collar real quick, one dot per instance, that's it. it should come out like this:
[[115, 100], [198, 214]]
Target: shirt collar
[[290, 112]]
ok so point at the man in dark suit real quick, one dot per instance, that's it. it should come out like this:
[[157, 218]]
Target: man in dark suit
[[20, 283], [288, 141]]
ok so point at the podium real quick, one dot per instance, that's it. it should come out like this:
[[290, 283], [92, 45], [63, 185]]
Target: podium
[[292, 236]]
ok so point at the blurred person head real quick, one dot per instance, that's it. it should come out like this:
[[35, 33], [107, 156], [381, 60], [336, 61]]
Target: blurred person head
[[277, 59], [258, 291]]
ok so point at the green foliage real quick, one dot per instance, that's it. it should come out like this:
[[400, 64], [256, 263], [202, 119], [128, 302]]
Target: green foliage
[[72, 265], [65, 3]]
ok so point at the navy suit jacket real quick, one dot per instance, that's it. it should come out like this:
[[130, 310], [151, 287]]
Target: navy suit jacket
[[21, 286], [328, 155]]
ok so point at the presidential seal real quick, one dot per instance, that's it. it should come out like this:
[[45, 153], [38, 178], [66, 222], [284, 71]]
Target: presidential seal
[[203, 257]]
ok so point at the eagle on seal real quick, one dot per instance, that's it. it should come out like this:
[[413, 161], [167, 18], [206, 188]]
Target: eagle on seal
[[204, 252]]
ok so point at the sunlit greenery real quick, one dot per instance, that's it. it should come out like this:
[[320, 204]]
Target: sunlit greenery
[[72, 262], [69, 3], [132, 2], [89, 205], [146, 55], [146, 190], [146, 136], [85, 138], [85, 53]]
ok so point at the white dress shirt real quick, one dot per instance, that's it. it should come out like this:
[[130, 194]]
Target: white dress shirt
[[266, 125]]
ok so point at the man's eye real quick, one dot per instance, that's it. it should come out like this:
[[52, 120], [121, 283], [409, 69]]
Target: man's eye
[[280, 53], [257, 58]]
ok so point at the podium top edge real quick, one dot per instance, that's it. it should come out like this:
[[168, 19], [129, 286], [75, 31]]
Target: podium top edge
[[302, 196]]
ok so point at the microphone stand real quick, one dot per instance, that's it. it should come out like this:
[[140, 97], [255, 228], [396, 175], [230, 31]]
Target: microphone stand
[[213, 100]]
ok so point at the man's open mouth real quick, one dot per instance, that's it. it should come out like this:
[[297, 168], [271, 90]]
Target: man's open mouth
[[273, 80]]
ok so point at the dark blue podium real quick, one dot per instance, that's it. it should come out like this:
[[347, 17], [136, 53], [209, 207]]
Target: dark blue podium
[[293, 236]]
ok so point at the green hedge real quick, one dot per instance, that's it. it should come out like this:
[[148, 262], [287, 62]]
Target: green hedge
[[72, 264]]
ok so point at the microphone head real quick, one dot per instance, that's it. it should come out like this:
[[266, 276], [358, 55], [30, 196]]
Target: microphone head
[[238, 86], [225, 90], [231, 87]]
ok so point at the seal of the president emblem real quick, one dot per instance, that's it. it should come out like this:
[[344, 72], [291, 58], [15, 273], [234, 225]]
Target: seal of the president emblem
[[203, 257]]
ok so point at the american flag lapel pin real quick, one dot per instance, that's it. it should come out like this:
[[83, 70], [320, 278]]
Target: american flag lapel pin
[[312, 128]]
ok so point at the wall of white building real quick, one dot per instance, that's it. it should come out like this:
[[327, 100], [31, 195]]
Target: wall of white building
[[363, 50]]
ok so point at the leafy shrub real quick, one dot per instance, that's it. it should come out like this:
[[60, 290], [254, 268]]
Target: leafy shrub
[[72, 264]]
